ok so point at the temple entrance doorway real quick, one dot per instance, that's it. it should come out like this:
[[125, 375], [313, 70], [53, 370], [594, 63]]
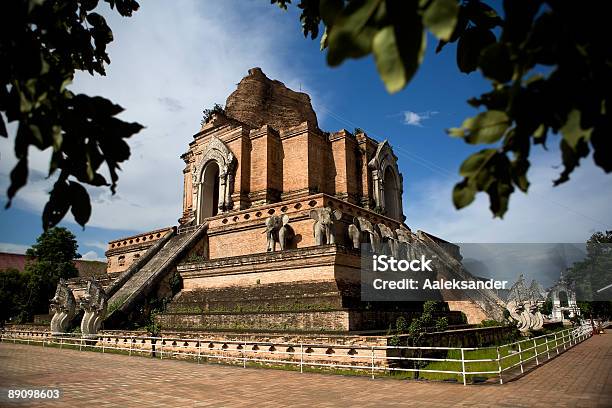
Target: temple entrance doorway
[[209, 191]]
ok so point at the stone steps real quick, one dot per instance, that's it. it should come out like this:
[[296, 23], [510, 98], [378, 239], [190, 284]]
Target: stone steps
[[159, 265]]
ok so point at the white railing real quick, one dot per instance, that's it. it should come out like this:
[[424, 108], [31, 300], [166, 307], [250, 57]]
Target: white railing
[[442, 363]]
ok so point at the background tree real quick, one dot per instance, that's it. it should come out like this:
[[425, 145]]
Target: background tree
[[549, 65], [592, 274], [42, 44], [13, 285], [52, 258]]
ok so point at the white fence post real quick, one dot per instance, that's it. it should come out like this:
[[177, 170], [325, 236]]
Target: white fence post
[[521, 357], [301, 357], [372, 362], [535, 348], [499, 366], [463, 366], [244, 357]]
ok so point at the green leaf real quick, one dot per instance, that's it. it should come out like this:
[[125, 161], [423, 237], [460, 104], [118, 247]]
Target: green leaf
[[80, 203], [495, 62], [19, 177], [3, 131], [519, 173], [397, 62], [571, 130], [388, 59], [342, 45], [602, 145], [463, 194], [482, 15], [440, 17], [329, 10], [486, 127], [57, 206], [476, 162], [456, 132], [350, 36], [499, 197], [470, 44], [571, 158]]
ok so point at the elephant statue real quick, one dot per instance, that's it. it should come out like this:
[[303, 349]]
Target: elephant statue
[[359, 226], [323, 228], [355, 234], [278, 230], [388, 236]]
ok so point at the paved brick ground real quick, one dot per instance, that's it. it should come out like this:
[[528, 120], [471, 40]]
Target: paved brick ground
[[582, 377]]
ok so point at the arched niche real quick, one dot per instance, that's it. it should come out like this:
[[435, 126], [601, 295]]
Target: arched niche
[[387, 182], [213, 180], [209, 193], [563, 299]]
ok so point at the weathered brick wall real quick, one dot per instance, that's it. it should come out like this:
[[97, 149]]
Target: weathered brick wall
[[122, 252], [281, 152], [304, 321]]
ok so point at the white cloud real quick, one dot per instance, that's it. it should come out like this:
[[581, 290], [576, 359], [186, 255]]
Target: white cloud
[[97, 244], [168, 64], [13, 248], [91, 256], [570, 212], [415, 118]]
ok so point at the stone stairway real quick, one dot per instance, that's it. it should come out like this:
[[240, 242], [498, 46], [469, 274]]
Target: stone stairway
[[135, 284], [484, 301]]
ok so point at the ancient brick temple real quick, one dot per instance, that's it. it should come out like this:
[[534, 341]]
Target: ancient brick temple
[[274, 210]]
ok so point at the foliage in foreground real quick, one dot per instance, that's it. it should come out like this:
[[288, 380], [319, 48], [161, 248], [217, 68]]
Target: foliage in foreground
[[42, 45], [549, 66]]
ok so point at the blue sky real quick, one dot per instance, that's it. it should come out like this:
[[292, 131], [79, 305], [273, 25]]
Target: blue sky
[[169, 63]]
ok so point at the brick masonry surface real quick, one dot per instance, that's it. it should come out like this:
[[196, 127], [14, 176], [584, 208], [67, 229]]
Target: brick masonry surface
[[581, 377]]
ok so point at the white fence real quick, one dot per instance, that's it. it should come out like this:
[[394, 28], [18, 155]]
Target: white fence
[[438, 363]]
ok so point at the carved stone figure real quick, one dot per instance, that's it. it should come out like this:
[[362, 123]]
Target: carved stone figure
[[279, 231], [94, 305], [404, 243], [388, 237], [355, 234], [63, 305], [524, 305], [536, 300], [323, 228], [360, 226]]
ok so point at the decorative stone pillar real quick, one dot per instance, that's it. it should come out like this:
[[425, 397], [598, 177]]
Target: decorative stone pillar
[[228, 191], [222, 189]]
